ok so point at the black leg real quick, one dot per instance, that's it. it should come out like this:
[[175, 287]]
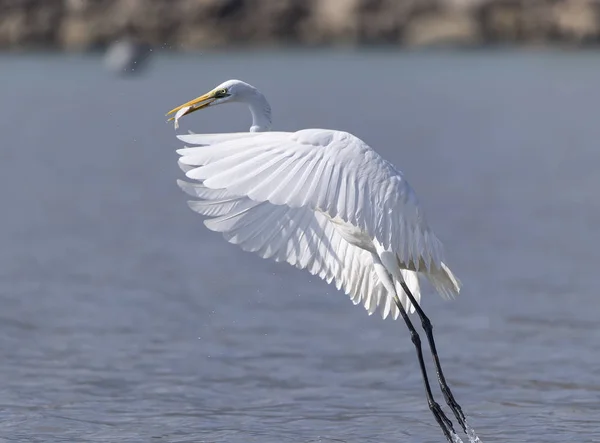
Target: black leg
[[428, 328], [439, 415]]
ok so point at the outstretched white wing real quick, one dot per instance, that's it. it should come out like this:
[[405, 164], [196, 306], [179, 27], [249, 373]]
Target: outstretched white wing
[[275, 193], [302, 237]]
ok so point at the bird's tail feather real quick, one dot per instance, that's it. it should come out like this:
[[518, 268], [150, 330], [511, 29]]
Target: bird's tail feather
[[444, 281]]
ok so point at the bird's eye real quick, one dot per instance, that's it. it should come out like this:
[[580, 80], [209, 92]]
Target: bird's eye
[[222, 92]]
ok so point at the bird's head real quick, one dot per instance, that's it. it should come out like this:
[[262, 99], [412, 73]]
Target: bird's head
[[226, 92]]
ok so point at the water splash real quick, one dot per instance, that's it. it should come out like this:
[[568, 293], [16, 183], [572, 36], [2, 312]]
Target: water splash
[[473, 438]]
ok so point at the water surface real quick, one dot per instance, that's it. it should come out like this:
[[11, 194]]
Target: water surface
[[123, 319]]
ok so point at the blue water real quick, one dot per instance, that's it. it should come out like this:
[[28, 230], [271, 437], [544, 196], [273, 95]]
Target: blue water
[[123, 319]]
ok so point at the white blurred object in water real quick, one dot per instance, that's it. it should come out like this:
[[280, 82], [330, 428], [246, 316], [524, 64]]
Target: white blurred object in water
[[127, 57]]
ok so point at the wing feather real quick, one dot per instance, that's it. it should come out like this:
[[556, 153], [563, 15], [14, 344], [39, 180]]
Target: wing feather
[[376, 189], [275, 193], [299, 236]]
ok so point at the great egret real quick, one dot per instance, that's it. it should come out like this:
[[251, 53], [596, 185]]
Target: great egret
[[321, 200]]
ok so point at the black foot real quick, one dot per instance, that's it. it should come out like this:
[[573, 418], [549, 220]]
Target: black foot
[[442, 420], [456, 409]]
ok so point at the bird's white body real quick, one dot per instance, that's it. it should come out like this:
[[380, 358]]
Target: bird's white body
[[325, 201], [322, 200]]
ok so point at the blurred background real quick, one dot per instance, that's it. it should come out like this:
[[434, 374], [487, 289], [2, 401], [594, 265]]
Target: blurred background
[[202, 24], [122, 318]]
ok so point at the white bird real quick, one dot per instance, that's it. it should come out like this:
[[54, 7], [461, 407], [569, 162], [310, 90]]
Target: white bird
[[321, 200], [126, 57]]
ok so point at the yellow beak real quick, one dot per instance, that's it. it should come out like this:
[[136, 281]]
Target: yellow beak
[[194, 105]]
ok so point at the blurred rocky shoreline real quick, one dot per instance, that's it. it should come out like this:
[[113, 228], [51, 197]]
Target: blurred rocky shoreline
[[75, 25]]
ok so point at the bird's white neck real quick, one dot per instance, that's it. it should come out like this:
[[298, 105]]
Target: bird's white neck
[[261, 112]]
